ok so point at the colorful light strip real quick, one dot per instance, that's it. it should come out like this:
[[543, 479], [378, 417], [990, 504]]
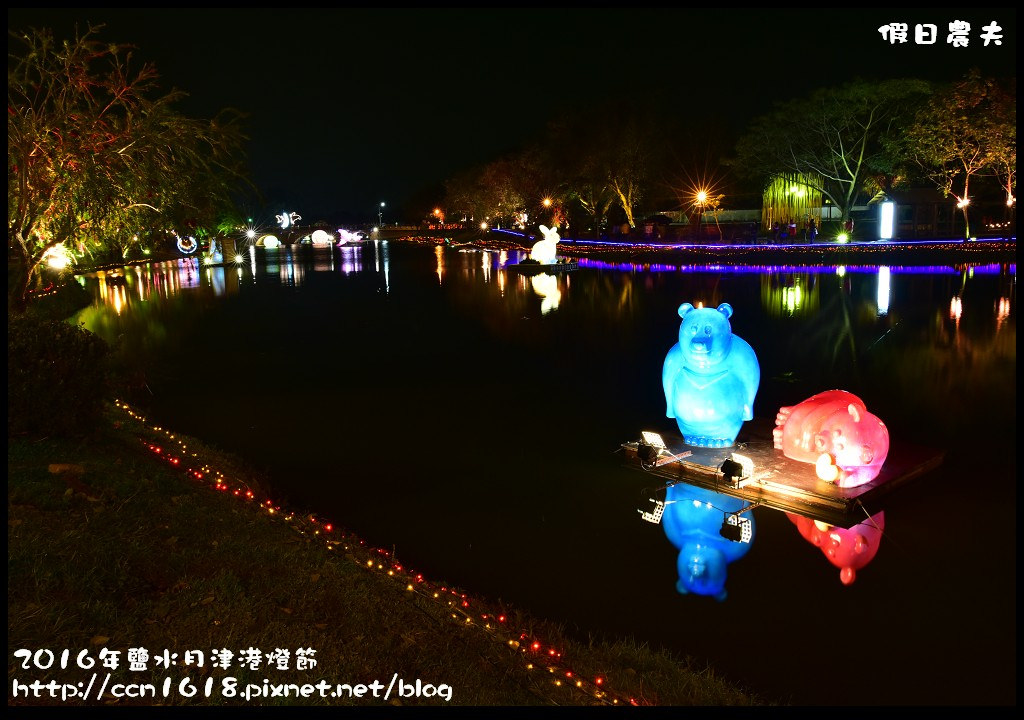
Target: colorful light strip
[[536, 654]]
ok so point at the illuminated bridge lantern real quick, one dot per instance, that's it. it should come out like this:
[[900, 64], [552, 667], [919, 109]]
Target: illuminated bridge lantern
[[710, 377]]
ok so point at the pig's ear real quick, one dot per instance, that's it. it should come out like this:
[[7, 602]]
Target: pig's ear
[[854, 412]]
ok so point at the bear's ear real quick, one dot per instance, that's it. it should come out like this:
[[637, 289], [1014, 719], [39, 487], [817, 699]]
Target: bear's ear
[[854, 412], [725, 309], [684, 308]]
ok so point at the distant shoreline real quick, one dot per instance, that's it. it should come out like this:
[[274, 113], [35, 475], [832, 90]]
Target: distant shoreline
[[916, 252], [926, 252]]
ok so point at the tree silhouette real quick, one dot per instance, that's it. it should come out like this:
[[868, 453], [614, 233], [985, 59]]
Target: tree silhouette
[[97, 157]]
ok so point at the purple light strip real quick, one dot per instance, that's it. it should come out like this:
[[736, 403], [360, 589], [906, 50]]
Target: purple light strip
[[990, 269]]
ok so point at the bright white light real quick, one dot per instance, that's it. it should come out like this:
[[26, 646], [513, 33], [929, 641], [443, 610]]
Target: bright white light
[[57, 257], [547, 287], [545, 251], [885, 226], [746, 463], [347, 236], [483, 226], [271, 242], [653, 439], [287, 219], [239, 259], [842, 237], [883, 290], [322, 238], [956, 308], [963, 203], [250, 233]]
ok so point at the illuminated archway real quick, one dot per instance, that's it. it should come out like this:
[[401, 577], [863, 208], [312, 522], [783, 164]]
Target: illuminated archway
[[188, 244]]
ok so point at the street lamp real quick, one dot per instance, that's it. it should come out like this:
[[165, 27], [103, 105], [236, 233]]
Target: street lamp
[[700, 201], [380, 215]]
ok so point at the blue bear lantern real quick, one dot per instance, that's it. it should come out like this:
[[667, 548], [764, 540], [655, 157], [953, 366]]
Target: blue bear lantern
[[696, 521], [710, 378]]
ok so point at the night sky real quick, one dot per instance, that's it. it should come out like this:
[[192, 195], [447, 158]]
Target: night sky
[[351, 107]]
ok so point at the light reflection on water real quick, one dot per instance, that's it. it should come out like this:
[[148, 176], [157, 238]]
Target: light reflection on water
[[490, 404]]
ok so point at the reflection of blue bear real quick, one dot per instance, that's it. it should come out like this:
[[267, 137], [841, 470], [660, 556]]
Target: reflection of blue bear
[[710, 378], [693, 522]]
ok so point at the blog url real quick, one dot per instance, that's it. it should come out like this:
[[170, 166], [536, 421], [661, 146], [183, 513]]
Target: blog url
[[227, 687]]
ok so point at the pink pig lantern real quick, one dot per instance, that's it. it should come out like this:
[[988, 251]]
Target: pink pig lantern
[[834, 431], [848, 549]]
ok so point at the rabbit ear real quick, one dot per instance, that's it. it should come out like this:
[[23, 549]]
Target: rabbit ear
[[544, 229]]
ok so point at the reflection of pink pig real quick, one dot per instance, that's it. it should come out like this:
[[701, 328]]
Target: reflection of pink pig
[[849, 550], [834, 431]]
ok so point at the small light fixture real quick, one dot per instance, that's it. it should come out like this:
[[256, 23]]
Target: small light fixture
[[730, 531], [653, 516], [737, 528], [653, 439], [649, 451], [737, 470]]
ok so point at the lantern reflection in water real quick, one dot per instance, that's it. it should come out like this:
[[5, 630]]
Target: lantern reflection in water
[[848, 549], [711, 530]]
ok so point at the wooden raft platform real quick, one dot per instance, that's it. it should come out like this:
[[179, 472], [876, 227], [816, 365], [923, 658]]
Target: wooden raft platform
[[783, 484], [537, 268]]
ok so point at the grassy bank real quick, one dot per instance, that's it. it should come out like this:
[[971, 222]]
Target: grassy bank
[[134, 537]]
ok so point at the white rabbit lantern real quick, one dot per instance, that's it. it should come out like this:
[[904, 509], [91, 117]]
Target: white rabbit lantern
[[544, 250]]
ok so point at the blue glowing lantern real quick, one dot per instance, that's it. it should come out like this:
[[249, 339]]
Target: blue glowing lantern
[[710, 531], [710, 378]]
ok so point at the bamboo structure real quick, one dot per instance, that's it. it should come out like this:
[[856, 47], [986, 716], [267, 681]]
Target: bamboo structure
[[792, 198]]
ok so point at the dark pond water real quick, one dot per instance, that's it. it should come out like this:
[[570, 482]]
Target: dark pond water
[[471, 418]]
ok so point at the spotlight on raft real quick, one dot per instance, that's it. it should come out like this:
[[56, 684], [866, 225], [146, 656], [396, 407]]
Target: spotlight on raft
[[649, 448], [649, 451], [731, 531], [653, 439], [737, 470]]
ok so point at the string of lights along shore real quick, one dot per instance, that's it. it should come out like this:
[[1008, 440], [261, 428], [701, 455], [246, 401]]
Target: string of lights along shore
[[536, 653]]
